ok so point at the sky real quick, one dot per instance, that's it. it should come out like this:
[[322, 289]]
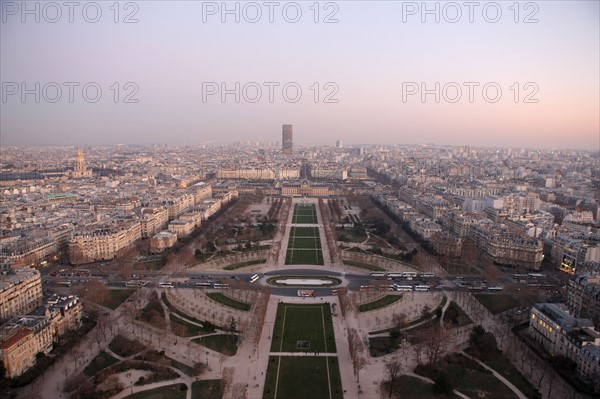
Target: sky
[[505, 73]]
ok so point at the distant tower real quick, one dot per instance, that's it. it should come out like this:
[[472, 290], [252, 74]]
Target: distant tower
[[80, 169], [338, 144], [286, 139]]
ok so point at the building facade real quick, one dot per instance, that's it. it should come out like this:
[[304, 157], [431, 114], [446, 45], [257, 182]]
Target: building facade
[[23, 337], [583, 296], [287, 144], [20, 292], [102, 243], [562, 334]]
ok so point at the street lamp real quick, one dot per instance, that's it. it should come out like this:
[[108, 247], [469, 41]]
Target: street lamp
[[207, 358]]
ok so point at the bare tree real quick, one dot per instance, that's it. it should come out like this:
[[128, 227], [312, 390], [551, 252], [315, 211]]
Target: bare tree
[[399, 320], [393, 369], [95, 291], [435, 342], [356, 350]]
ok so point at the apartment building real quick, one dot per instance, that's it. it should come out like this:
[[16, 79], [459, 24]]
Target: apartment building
[[560, 333], [181, 227], [153, 220], [20, 291], [103, 243], [29, 251], [508, 248], [583, 296], [23, 337]]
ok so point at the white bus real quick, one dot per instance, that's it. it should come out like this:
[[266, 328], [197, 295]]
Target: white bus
[[165, 284], [404, 287], [220, 285], [394, 274], [427, 275], [254, 278], [422, 288], [206, 284], [378, 274], [409, 274], [495, 289]]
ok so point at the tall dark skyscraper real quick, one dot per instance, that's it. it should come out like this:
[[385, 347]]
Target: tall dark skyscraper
[[287, 144]]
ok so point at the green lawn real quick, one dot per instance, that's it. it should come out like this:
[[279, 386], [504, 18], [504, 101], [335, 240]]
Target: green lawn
[[207, 389], [116, 298], [175, 391], [125, 347], [302, 378], [100, 362], [304, 232], [173, 309], [185, 329], [180, 366], [380, 346], [305, 214], [468, 377], [497, 303], [409, 387], [303, 323], [244, 264], [504, 367], [223, 343], [380, 303], [227, 301], [305, 218], [305, 243], [351, 235], [304, 247], [455, 315], [304, 257], [428, 315]]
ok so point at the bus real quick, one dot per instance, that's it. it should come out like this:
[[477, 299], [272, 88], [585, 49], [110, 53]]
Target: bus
[[394, 274], [427, 275], [135, 283], [377, 274], [409, 274], [367, 287], [403, 287], [65, 283], [165, 284], [309, 293], [254, 278], [204, 284], [220, 285], [386, 288], [495, 289], [422, 288]]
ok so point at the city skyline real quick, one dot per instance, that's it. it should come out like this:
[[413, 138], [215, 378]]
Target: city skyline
[[371, 67]]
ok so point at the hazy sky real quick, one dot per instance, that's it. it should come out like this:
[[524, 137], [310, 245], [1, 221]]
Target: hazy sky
[[375, 61]]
